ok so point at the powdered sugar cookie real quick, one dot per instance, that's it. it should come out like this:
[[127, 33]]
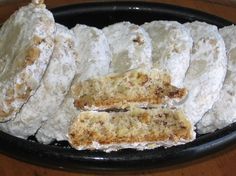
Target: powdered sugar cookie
[[56, 128], [130, 46], [52, 91], [26, 45], [94, 51], [172, 44], [206, 73], [223, 111]]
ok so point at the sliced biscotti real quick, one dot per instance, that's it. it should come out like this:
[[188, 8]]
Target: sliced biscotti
[[26, 44], [130, 46], [172, 44], [136, 128], [139, 87]]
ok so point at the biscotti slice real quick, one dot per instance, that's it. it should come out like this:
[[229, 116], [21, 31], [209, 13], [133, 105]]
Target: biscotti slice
[[136, 128], [26, 44], [138, 87]]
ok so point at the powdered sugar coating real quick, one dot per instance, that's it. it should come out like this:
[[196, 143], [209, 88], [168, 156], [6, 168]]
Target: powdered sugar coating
[[206, 73], [53, 88], [94, 51], [228, 33], [26, 45], [223, 111], [172, 46], [56, 128], [130, 46]]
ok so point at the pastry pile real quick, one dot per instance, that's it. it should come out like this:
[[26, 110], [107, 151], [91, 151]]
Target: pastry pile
[[123, 86]]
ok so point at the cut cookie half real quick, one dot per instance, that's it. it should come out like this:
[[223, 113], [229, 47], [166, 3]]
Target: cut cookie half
[[137, 87], [136, 128]]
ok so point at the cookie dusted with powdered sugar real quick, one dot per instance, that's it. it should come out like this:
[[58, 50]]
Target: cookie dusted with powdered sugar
[[130, 46], [172, 44], [94, 51], [52, 90], [223, 111], [26, 45], [206, 73], [56, 128], [228, 33], [94, 59]]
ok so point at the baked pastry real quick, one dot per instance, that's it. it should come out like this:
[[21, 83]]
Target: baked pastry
[[53, 88], [26, 45], [138, 87], [223, 111], [93, 61], [94, 52], [130, 46], [171, 48], [56, 127], [136, 128], [206, 73]]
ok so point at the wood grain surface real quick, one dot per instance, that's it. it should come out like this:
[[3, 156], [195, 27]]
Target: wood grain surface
[[223, 163]]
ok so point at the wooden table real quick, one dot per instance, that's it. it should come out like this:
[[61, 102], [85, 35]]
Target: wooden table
[[221, 163]]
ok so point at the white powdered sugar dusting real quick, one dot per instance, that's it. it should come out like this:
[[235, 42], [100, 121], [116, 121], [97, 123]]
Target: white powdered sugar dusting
[[206, 73], [223, 111], [130, 46], [172, 46]]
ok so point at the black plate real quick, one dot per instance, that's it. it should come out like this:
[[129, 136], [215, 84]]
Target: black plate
[[61, 156]]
